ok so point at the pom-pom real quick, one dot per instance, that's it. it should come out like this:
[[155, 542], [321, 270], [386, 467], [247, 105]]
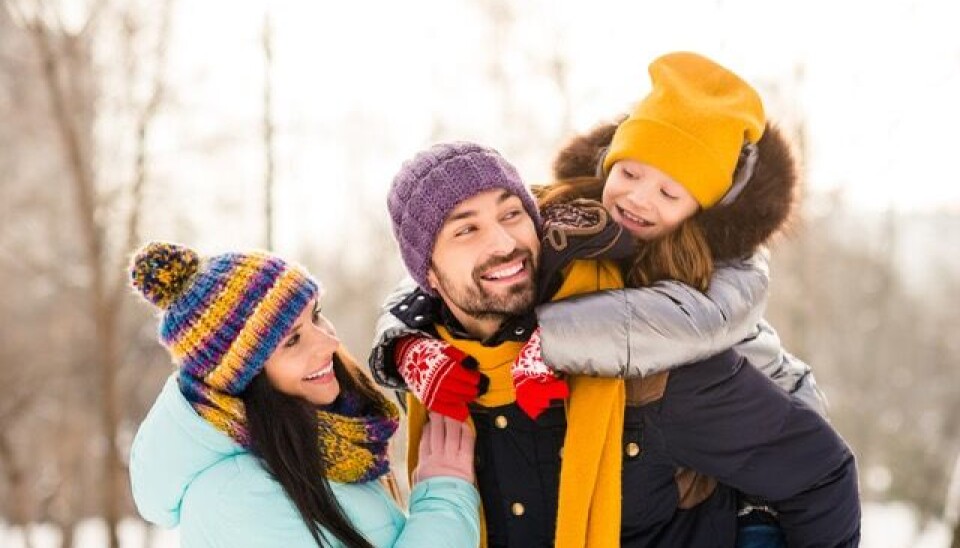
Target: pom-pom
[[160, 271]]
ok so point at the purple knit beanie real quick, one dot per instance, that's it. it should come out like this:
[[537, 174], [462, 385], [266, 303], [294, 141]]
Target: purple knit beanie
[[431, 184]]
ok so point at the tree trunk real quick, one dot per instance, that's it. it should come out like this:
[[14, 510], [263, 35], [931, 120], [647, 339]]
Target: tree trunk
[[268, 132], [80, 168], [68, 532], [20, 498]]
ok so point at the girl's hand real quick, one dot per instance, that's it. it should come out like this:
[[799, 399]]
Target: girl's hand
[[446, 449]]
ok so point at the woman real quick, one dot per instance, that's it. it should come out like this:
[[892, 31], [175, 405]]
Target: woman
[[268, 434]]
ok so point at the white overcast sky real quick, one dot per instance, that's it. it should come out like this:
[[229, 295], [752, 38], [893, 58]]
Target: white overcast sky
[[878, 94]]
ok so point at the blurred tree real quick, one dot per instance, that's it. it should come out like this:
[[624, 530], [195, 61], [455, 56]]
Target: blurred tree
[[880, 352], [269, 128], [106, 205]]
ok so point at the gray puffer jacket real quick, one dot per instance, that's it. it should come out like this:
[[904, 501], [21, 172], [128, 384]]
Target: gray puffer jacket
[[639, 332], [635, 332]]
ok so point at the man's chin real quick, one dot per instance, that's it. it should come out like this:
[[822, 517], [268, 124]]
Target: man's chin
[[515, 305], [505, 307], [521, 291]]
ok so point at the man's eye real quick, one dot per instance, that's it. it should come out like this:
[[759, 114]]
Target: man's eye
[[513, 214], [464, 231], [292, 341]]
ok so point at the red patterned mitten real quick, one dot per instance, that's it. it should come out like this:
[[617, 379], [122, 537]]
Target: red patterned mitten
[[536, 384], [442, 377]]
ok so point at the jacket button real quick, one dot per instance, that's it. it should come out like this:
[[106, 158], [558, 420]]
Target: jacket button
[[418, 318], [517, 509], [633, 449], [500, 421], [519, 331], [404, 307]]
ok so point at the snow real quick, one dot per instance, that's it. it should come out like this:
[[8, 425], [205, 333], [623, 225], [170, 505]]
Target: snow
[[885, 525]]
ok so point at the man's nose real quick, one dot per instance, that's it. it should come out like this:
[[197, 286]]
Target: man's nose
[[502, 242]]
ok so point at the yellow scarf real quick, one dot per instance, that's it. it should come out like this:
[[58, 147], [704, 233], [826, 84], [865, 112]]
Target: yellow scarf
[[588, 512]]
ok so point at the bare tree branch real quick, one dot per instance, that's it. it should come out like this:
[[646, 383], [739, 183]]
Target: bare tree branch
[[144, 122], [268, 130]]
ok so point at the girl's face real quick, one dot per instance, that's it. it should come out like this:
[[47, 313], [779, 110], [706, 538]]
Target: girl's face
[[645, 200], [302, 365]]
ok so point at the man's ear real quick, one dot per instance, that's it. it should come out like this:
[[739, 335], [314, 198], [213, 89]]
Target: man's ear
[[432, 280]]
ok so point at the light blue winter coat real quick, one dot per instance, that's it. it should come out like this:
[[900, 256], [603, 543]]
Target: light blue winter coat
[[186, 472]]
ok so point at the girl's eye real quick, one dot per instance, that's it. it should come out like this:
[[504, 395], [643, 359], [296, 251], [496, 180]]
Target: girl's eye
[[292, 341], [667, 195]]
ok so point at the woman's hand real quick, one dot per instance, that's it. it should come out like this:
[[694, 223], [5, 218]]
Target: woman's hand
[[446, 449]]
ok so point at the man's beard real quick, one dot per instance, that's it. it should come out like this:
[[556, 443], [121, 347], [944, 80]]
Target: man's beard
[[475, 301]]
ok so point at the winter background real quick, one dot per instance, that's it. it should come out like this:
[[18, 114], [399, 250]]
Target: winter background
[[279, 124]]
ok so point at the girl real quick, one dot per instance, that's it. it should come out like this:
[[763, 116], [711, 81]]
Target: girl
[[697, 175], [269, 435]]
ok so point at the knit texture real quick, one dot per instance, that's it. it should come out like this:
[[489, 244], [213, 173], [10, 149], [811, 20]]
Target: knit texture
[[692, 125], [354, 440], [431, 184], [221, 318]]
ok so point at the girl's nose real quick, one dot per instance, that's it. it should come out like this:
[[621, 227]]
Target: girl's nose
[[640, 192]]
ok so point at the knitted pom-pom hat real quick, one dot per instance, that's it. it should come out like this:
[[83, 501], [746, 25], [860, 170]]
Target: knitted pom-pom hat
[[221, 316]]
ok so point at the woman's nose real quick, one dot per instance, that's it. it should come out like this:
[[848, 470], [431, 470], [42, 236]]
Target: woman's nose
[[325, 333]]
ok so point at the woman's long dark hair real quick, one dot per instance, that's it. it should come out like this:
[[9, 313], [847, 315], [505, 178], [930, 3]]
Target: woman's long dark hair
[[283, 430]]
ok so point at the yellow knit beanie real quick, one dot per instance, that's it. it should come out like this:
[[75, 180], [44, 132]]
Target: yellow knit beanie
[[692, 125]]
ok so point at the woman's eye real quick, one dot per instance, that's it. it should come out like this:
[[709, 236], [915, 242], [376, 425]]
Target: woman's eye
[[292, 341]]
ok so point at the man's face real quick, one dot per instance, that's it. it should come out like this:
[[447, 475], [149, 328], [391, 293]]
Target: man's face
[[485, 258]]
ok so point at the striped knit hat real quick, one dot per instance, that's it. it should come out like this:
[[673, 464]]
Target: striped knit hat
[[221, 316]]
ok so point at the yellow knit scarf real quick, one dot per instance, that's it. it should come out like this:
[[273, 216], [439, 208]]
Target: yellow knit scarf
[[588, 513]]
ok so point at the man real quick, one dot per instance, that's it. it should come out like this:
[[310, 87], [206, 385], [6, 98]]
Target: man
[[470, 236]]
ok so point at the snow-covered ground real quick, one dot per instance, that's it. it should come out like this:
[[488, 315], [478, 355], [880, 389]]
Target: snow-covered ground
[[891, 525]]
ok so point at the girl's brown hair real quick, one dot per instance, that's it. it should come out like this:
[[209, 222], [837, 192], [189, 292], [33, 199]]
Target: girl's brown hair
[[682, 255]]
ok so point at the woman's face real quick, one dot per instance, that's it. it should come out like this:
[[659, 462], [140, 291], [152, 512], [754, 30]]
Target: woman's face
[[302, 365], [645, 200]]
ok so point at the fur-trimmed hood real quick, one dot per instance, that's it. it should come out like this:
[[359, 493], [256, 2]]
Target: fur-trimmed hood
[[763, 208]]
